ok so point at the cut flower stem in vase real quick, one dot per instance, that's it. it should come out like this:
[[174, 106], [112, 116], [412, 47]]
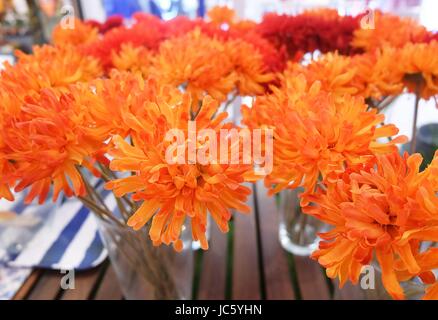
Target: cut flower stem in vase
[[298, 232], [146, 272]]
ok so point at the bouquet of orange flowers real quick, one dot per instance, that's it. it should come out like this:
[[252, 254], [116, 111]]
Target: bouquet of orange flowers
[[119, 103]]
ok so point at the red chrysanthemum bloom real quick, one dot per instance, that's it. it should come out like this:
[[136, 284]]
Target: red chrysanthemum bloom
[[309, 31], [110, 23], [141, 34]]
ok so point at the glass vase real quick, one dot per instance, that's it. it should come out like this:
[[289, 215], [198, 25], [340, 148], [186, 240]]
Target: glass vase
[[413, 289], [146, 272], [298, 232]]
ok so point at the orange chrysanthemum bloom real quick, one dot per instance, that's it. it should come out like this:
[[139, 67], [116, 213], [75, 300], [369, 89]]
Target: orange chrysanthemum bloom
[[121, 98], [334, 71], [316, 133], [77, 34], [224, 18], [49, 66], [249, 67], [419, 65], [133, 59], [172, 192], [221, 15], [243, 26], [385, 207], [197, 63], [378, 73], [389, 30], [45, 139], [6, 168], [432, 292]]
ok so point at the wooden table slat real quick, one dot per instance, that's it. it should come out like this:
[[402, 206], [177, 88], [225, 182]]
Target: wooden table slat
[[277, 279], [27, 286], [213, 273], [312, 282], [246, 277], [85, 282], [47, 287], [109, 288]]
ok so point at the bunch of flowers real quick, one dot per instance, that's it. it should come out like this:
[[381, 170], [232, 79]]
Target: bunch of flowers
[[377, 202], [384, 207], [102, 99], [170, 193], [330, 131]]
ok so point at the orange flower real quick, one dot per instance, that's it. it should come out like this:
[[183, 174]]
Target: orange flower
[[242, 26], [121, 98], [76, 34], [378, 74], [390, 30], [45, 139], [49, 66], [371, 75], [198, 64], [173, 192], [316, 133], [220, 15], [334, 71], [5, 168], [419, 65], [42, 137], [386, 207], [249, 67], [134, 59], [432, 292]]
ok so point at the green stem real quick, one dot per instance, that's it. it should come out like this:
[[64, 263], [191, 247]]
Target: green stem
[[414, 125]]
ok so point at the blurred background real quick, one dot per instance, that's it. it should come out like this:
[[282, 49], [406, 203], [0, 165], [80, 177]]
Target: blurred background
[[25, 22]]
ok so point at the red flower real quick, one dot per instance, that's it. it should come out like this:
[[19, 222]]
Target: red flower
[[308, 32], [145, 34], [112, 22]]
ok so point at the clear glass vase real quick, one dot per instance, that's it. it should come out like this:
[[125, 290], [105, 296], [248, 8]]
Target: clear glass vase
[[146, 272], [298, 232], [413, 289]]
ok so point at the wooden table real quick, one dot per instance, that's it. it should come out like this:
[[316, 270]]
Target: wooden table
[[260, 268]]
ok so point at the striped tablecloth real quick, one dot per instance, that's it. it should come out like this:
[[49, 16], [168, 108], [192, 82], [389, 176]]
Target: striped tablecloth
[[66, 238]]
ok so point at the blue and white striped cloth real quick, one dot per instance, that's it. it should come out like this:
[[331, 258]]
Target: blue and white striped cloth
[[67, 238]]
